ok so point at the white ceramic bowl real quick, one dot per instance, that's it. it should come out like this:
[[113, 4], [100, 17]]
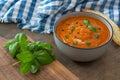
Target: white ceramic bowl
[[81, 54]]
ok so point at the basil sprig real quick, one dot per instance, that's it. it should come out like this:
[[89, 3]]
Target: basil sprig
[[87, 23], [31, 55]]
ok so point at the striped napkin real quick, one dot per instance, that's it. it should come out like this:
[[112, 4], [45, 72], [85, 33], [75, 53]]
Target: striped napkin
[[41, 15]]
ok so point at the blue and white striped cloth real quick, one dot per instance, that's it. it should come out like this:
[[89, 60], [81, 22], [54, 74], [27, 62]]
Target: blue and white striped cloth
[[41, 15]]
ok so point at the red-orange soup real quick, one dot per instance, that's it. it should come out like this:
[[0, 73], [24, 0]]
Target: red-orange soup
[[83, 32]]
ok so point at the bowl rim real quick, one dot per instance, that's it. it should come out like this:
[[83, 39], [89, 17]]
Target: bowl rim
[[110, 39]]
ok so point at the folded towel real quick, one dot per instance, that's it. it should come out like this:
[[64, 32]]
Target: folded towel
[[41, 15]]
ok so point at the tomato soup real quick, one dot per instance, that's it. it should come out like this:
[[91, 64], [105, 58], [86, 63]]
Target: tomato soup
[[83, 32]]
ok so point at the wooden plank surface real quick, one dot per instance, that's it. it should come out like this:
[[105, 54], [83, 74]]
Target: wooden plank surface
[[53, 71], [105, 68]]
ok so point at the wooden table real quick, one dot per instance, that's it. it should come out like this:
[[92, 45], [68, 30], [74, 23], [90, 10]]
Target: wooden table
[[105, 68]]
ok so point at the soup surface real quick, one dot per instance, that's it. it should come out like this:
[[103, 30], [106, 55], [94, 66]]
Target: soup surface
[[83, 32]]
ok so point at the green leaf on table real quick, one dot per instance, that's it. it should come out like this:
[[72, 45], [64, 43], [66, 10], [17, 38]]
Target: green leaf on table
[[45, 46], [22, 39], [25, 56], [43, 57], [52, 54], [31, 47], [23, 45], [34, 46], [9, 43], [35, 66], [25, 67], [13, 48]]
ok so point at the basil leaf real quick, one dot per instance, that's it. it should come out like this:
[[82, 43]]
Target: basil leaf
[[13, 49], [23, 45], [25, 67], [26, 56], [45, 46], [31, 47], [86, 22], [52, 54], [9, 43], [20, 37], [35, 66], [92, 28], [36, 46], [43, 57]]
